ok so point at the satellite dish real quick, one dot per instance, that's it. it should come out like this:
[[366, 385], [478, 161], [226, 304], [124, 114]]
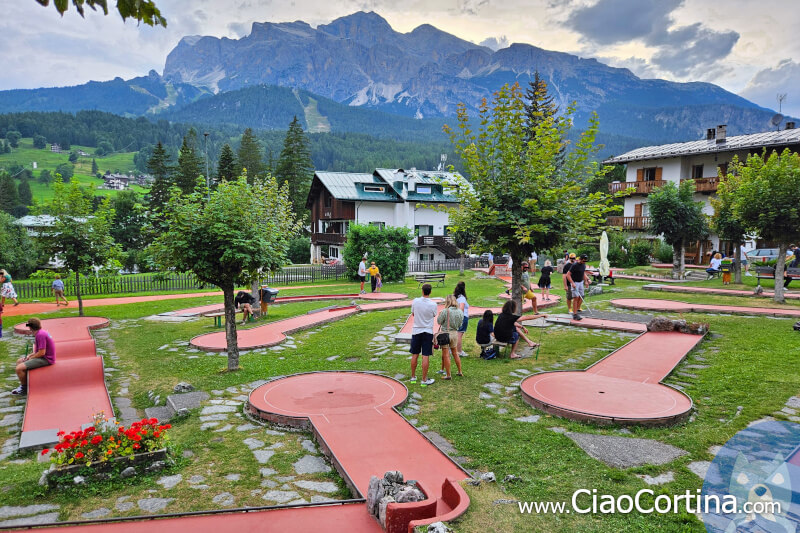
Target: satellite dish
[[777, 119]]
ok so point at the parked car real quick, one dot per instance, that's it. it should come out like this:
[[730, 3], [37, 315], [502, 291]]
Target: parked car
[[762, 255]]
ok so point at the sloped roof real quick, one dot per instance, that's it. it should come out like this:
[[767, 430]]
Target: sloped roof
[[350, 186], [738, 142], [399, 179]]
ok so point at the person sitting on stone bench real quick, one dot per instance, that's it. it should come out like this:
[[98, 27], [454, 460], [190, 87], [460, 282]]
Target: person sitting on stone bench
[[44, 354], [246, 301]]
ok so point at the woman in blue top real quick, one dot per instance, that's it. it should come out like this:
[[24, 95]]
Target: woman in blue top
[[460, 293]]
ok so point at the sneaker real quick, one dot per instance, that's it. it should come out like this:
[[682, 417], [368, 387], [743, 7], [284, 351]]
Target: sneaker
[[20, 391], [576, 316], [748, 274], [413, 379], [429, 381], [463, 354], [441, 372]]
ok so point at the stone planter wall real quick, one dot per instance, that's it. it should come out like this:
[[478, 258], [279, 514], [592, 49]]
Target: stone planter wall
[[141, 462]]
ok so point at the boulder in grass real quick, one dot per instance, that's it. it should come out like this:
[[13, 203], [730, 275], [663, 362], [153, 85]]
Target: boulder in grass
[[660, 323]]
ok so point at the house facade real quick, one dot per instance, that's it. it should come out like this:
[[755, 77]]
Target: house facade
[[387, 197], [702, 162]]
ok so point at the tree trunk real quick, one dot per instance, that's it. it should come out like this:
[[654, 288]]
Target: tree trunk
[[678, 261], [779, 271], [737, 269], [461, 265], [231, 338], [516, 282], [78, 293]]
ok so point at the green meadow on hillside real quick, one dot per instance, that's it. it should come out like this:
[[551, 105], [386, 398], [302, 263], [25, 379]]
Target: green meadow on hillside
[[26, 155]]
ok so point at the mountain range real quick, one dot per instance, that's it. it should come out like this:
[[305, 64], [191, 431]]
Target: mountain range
[[359, 74]]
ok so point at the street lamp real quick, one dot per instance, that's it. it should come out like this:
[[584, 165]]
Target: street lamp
[[208, 183]]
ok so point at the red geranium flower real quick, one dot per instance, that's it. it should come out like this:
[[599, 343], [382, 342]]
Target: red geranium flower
[[136, 445], [78, 455], [97, 439], [44, 452]]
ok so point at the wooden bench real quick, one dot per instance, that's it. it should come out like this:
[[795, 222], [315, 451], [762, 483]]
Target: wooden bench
[[769, 273], [503, 348], [430, 278], [217, 316]]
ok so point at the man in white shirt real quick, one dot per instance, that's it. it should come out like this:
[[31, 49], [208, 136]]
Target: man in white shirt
[[362, 272], [745, 262], [423, 310]]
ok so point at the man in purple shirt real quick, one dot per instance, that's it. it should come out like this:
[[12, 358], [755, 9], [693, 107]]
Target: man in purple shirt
[[44, 354]]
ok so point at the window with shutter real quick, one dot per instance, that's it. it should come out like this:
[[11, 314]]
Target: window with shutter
[[640, 174], [658, 173]]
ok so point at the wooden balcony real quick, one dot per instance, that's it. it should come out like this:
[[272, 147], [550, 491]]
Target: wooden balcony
[[705, 185], [328, 238], [630, 223], [639, 187]]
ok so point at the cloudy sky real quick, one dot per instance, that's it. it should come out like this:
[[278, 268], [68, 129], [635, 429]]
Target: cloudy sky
[[748, 47]]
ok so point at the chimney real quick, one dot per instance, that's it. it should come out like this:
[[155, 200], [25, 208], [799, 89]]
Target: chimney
[[711, 134], [790, 125], [721, 131]]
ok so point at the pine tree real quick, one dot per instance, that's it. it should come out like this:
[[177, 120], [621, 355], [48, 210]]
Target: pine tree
[[159, 166], [94, 167], [9, 197], [295, 168], [249, 156], [25, 194], [190, 165], [540, 105], [226, 166]]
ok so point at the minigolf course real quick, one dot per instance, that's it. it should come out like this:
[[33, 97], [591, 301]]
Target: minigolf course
[[672, 306], [68, 394]]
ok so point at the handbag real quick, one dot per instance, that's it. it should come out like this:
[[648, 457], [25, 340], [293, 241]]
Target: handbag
[[443, 338]]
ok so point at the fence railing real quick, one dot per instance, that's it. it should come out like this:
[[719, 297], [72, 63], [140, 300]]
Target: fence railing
[[446, 264]]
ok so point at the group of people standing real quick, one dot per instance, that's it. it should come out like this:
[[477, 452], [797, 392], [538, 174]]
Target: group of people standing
[[374, 275]]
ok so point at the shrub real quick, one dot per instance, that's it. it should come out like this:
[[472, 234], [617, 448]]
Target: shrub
[[592, 251], [663, 252], [639, 254], [617, 257], [300, 250], [388, 247]]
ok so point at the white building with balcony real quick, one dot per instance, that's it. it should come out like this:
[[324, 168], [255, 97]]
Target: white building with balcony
[[702, 162]]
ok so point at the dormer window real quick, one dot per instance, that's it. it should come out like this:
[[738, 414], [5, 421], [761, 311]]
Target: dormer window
[[424, 189], [373, 188]]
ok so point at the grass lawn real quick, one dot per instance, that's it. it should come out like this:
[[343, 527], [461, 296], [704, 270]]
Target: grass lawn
[[750, 366], [26, 154]]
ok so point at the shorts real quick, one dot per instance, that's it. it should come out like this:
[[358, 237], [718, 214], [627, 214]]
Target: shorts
[[422, 343], [530, 295], [569, 292], [464, 325], [579, 290], [361, 278], [58, 292], [36, 362], [544, 284], [514, 337]]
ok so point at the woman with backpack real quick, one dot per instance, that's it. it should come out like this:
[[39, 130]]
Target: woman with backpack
[[449, 320], [460, 293]]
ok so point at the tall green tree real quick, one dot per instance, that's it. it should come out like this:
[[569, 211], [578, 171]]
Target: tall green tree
[[45, 177], [39, 142], [18, 253], [190, 164], [25, 194], [66, 171], [142, 10], [766, 199], [95, 170], [73, 157], [226, 166], [13, 137], [159, 167], [540, 105], [80, 235], [128, 226], [517, 198], [227, 238], [727, 225], [295, 167], [9, 194], [675, 215], [250, 156]]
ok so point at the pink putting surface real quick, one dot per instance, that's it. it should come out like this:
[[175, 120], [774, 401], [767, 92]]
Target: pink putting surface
[[212, 308], [719, 292], [274, 333], [622, 388], [353, 416], [68, 394], [672, 306]]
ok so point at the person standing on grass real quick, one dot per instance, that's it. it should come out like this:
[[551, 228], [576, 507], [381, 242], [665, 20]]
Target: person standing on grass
[[423, 309], [544, 279], [567, 288], [373, 275], [362, 272], [460, 293], [508, 328], [745, 261], [58, 290], [577, 279], [44, 354], [449, 320], [7, 290], [526, 286]]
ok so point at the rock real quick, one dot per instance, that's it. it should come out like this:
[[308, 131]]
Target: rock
[[246, 427], [309, 446], [374, 495], [97, 513], [626, 452], [196, 479], [310, 464], [225, 499], [382, 505], [510, 478], [170, 481], [47, 518], [154, 505], [528, 419], [280, 496], [489, 477], [128, 472], [158, 466], [12, 511], [393, 476], [183, 387], [700, 468], [504, 501], [43, 478], [661, 479], [266, 472], [438, 527], [262, 456], [122, 505], [187, 454], [595, 290], [409, 494], [474, 482], [660, 323], [321, 499], [233, 477], [218, 409], [253, 443], [318, 486]]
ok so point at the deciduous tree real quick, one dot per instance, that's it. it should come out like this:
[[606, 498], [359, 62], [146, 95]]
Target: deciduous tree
[[727, 225], [675, 215], [227, 238], [141, 10]]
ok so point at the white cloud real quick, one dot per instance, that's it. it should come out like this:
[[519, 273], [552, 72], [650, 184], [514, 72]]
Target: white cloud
[[783, 78], [495, 43]]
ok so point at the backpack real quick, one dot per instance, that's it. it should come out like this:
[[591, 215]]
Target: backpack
[[797, 326], [489, 352]]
